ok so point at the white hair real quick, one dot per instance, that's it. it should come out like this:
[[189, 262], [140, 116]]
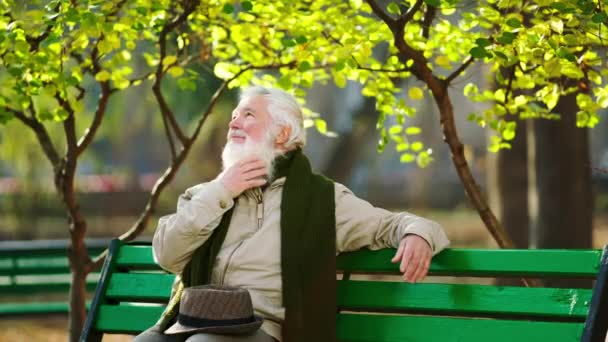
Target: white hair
[[284, 110]]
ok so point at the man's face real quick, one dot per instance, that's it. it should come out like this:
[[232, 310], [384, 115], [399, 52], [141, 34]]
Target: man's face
[[251, 133], [250, 120]]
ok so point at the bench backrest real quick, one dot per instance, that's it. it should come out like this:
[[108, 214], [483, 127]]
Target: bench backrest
[[40, 266], [133, 291]]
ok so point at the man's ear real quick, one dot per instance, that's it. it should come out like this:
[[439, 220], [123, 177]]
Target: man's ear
[[283, 135]]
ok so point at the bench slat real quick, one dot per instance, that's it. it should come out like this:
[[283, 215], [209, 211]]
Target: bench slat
[[461, 299], [485, 262], [473, 262], [136, 257], [11, 309], [381, 328], [140, 287], [129, 319]]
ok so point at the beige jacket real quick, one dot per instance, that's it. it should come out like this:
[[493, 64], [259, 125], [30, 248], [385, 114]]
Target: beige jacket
[[250, 256]]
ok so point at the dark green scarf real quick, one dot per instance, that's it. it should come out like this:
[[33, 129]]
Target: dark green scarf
[[308, 250]]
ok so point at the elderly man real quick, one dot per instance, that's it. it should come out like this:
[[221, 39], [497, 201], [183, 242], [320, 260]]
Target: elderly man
[[271, 226]]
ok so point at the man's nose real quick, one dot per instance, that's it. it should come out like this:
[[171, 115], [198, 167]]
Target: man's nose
[[235, 122]]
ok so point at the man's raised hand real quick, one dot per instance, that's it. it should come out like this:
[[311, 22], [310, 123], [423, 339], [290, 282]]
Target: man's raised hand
[[245, 174]]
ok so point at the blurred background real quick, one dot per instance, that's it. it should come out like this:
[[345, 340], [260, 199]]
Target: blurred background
[[130, 152]]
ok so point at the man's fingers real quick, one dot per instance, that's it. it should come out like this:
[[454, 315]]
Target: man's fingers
[[412, 268], [253, 174], [406, 259], [399, 253], [422, 270]]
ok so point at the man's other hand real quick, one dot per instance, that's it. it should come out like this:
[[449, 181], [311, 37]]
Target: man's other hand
[[246, 174], [414, 255]]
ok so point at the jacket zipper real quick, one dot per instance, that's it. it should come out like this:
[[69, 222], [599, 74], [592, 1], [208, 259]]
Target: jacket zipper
[[260, 210]]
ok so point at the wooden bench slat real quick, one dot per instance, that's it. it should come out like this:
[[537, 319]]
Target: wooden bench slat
[[140, 287], [129, 319], [485, 262], [136, 257], [382, 328], [461, 299], [474, 262], [12, 309]]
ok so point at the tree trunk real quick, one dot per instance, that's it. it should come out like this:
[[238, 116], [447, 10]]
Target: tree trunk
[[77, 299], [512, 187], [508, 187], [349, 147], [563, 182]]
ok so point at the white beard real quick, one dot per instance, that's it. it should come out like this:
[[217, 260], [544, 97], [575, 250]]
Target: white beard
[[265, 151]]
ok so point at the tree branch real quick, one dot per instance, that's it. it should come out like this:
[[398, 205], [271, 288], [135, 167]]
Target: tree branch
[[406, 17], [458, 71], [427, 21], [35, 41], [381, 14], [102, 104], [41, 133], [360, 67], [168, 115]]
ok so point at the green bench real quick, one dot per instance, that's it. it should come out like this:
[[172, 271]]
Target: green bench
[[38, 268], [133, 290]]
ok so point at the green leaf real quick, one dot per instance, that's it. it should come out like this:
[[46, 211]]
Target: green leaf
[[434, 3], [402, 147], [176, 71], [394, 8], [168, 60], [501, 55], [223, 70], [478, 52], [506, 38], [247, 5], [304, 66], [60, 114], [395, 129], [415, 93], [321, 126], [340, 79], [288, 42], [424, 158], [407, 158], [483, 42], [599, 18], [301, 39], [557, 25], [413, 130], [228, 8], [102, 76], [564, 53], [514, 22], [285, 82], [417, 146]]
